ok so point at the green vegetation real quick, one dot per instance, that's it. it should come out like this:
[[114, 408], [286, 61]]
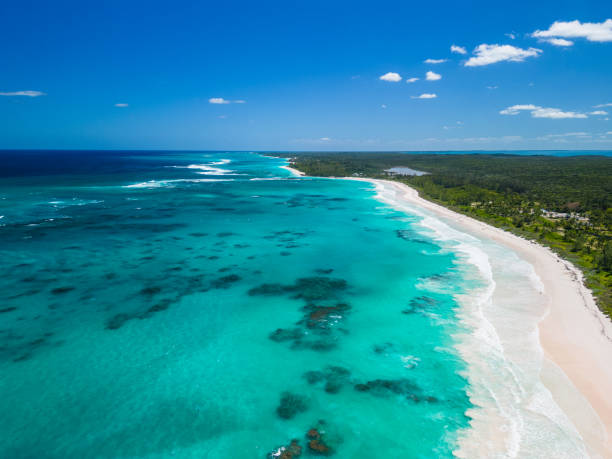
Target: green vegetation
[[562, 202]]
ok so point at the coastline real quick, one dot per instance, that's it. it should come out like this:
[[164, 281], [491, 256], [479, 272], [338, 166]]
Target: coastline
[[293, 171], [575, 336]]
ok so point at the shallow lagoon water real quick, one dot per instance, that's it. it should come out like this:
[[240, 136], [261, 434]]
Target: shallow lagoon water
[[211, 305]]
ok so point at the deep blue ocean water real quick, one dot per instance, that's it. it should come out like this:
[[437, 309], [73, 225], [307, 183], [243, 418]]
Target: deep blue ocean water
[[212, 305]]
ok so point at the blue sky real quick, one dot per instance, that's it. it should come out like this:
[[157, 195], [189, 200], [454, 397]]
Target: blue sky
[[306, 75]]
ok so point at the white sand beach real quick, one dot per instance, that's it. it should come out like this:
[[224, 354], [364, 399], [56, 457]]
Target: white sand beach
[[575, 336]]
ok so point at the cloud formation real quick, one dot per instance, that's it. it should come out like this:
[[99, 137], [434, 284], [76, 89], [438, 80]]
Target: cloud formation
[[23, 93], [121, 105], [218, 100], [541, 112], [490, 54], [432, 76], [558, 41], [458, 49], [412, 80], [592, 31], [599, 112], [603, 105], [435, 61], [567, 134], [221, 100], [424, 96], [391, 76]]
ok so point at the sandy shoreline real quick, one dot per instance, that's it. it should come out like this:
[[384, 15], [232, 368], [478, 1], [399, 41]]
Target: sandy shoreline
[[293, 171], [575, 336]]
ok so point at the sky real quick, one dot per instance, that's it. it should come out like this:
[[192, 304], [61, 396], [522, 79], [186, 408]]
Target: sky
[[315, 75]]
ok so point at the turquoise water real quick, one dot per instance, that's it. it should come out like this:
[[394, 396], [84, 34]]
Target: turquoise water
[[212, 305]]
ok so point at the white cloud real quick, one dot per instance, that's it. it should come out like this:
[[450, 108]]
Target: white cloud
[[541, 112], [432, 76], [435, 61], [218, 100], [490, 54], [391, 76], [567, 134], [412, 80], [603, 105], [221, 100], [492, 87], [592, 31], [515, 109], [511, 36], [555, 113], [121, 105], [23, 93], [558, 41], [458, 49], [325, 139], [424, 96], [599, 112]]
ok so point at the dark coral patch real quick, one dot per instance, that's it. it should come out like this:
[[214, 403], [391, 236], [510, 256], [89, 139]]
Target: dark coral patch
[[150, 291], [332, 377], [317, 444], [117, 321], [324, 316], [225, 281], [62, 290], [293, 450], [291, 405], [420, 305], [403, 387]]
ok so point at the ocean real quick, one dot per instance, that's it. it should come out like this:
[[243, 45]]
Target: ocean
[[195, 304]]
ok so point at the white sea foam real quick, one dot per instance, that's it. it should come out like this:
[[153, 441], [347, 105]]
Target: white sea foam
[[221, 162], [209, 168], [169, 183], [74, 202], [514, 414]]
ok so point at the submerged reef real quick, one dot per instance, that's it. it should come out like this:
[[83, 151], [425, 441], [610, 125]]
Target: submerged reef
[[291, 405], [332, 378], [307, 288], [291, 451], [316, 443], [420, 305], [402, 386], [317, 330], [316, 440]]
